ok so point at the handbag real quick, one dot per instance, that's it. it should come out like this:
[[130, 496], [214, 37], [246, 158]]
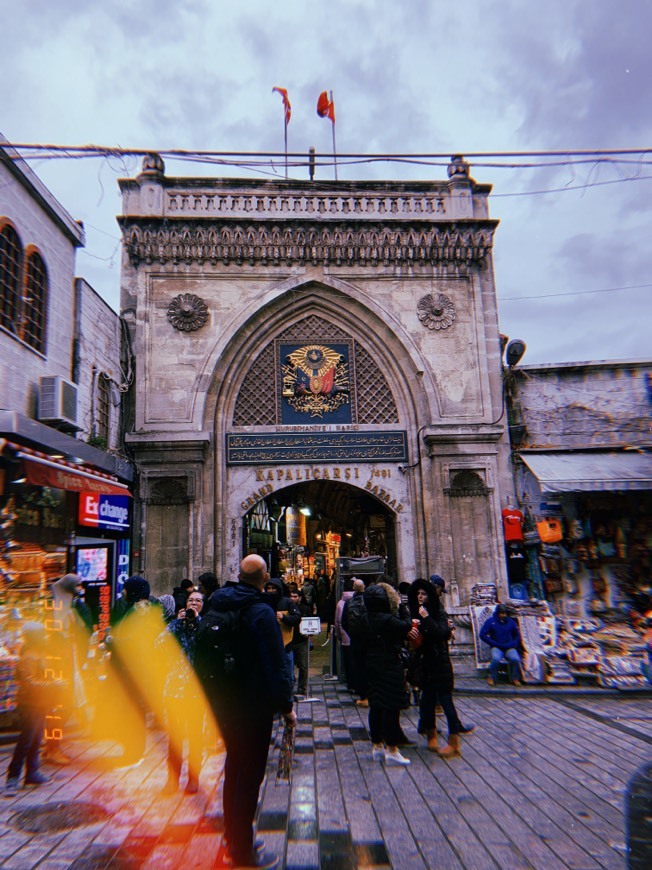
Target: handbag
[[550, 530]]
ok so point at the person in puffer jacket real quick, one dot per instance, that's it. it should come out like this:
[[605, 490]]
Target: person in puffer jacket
[[502, 634]]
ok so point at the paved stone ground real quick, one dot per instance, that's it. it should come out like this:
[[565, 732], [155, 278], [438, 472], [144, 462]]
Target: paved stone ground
[[539, 785]]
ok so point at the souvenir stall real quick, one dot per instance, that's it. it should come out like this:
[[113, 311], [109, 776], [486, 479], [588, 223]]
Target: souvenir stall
[[589, 551]]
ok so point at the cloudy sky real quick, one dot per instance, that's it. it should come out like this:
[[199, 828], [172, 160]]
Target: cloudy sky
[[572, 252]]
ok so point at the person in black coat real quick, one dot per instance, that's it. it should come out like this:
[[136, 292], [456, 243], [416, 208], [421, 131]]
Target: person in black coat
[[245, 713], [438, 680], [388, 626]]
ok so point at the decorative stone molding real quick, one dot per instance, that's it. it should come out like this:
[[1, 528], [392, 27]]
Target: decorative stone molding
[[168, 491], [187, 312], [298, 205], [436, 311], [467, 484], [318, 244], [458, 168], [153, 165]]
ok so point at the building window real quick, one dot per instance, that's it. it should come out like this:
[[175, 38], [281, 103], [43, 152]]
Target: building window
[[103, 407], [23, 290], [11, 261], [35, 302]]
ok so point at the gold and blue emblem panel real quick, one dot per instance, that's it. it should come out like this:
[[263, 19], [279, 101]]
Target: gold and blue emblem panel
[[315, 383]]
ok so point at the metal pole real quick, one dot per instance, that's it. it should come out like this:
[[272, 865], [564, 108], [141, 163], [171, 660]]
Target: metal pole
[[334, 148]]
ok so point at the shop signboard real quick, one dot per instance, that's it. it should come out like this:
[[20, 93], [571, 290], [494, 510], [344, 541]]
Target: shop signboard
[[104, 511]]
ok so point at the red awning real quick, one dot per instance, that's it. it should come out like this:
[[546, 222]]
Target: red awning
[[43, 470]]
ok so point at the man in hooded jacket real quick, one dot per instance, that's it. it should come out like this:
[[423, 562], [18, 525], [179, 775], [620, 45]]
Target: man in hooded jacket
[[246, 712], [502, 634]]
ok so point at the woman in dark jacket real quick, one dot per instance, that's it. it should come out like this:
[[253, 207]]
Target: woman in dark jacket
[[438, 680], [387, 629]]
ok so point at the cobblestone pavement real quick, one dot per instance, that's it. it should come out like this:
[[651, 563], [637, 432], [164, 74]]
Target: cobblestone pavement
[[539, 785]]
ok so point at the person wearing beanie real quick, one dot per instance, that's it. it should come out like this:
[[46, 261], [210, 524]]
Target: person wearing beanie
[[169, 607], [36, 696]]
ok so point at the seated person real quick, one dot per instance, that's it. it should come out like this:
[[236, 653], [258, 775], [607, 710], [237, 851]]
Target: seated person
[[501, 633]]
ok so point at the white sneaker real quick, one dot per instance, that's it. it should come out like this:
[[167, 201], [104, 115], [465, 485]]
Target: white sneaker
[[378, 753], [396, 758]]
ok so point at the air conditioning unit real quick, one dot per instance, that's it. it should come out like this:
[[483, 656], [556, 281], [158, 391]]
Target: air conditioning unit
[[58, 401]]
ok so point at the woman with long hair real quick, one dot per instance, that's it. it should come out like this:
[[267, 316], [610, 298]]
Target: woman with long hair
[[438, 680]]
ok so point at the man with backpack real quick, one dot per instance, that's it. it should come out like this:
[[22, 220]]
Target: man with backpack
[[248, 684]]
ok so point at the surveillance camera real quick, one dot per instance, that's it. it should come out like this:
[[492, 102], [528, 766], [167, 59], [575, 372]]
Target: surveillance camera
[[514, 352], [401, 468]]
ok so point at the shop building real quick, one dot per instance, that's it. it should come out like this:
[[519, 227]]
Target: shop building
[[64, 482], [581, 436], [317, 376]]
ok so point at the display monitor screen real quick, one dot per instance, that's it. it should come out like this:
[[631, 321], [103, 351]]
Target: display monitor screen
[[93, 565]]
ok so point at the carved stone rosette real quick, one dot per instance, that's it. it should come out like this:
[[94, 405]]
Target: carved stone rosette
[[187, 312], [436, 311]]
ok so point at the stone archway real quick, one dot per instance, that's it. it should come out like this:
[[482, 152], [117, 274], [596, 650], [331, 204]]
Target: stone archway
[[246, 400]]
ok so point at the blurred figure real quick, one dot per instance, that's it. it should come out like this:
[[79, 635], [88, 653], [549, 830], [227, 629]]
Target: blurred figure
[[181, 699], [68, 646], [300, 644], [36, 696], [341, 635], [135, 682]]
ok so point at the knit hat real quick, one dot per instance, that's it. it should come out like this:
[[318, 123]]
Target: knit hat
[[137, 589], [438, 581]]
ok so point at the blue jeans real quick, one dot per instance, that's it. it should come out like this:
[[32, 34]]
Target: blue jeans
[[513, 663]]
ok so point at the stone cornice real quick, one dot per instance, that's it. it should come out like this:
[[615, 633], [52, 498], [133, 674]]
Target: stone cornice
[[298, 242], [458, 435]]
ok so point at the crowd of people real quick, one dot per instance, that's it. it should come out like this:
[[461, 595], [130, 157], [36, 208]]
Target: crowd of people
[[169, 657]]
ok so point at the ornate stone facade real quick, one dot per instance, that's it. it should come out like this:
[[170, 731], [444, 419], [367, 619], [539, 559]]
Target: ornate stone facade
[[391, 281]]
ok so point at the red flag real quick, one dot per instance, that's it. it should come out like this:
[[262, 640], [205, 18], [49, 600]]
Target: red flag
[[326, 106], [286, 103]]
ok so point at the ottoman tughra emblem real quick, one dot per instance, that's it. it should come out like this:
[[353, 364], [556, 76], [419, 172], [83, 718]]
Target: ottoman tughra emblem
[[315, 380], [436, 311], [187, 312]]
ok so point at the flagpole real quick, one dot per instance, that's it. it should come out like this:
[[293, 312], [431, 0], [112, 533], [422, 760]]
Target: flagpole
[[334, 148], [286, 145]]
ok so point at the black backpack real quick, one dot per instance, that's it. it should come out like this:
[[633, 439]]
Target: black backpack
[[217, 646], [355, 621]]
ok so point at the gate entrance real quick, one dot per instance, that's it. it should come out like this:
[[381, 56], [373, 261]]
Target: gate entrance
[[302, 530]]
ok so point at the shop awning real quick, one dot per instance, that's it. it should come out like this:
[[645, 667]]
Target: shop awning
[[590, 471], [43, 470]]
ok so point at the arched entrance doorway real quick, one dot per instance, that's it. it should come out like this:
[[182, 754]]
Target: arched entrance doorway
[[304, 529]]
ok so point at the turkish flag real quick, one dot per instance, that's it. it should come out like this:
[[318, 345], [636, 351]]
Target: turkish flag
[[286, 103], [326, 106]]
